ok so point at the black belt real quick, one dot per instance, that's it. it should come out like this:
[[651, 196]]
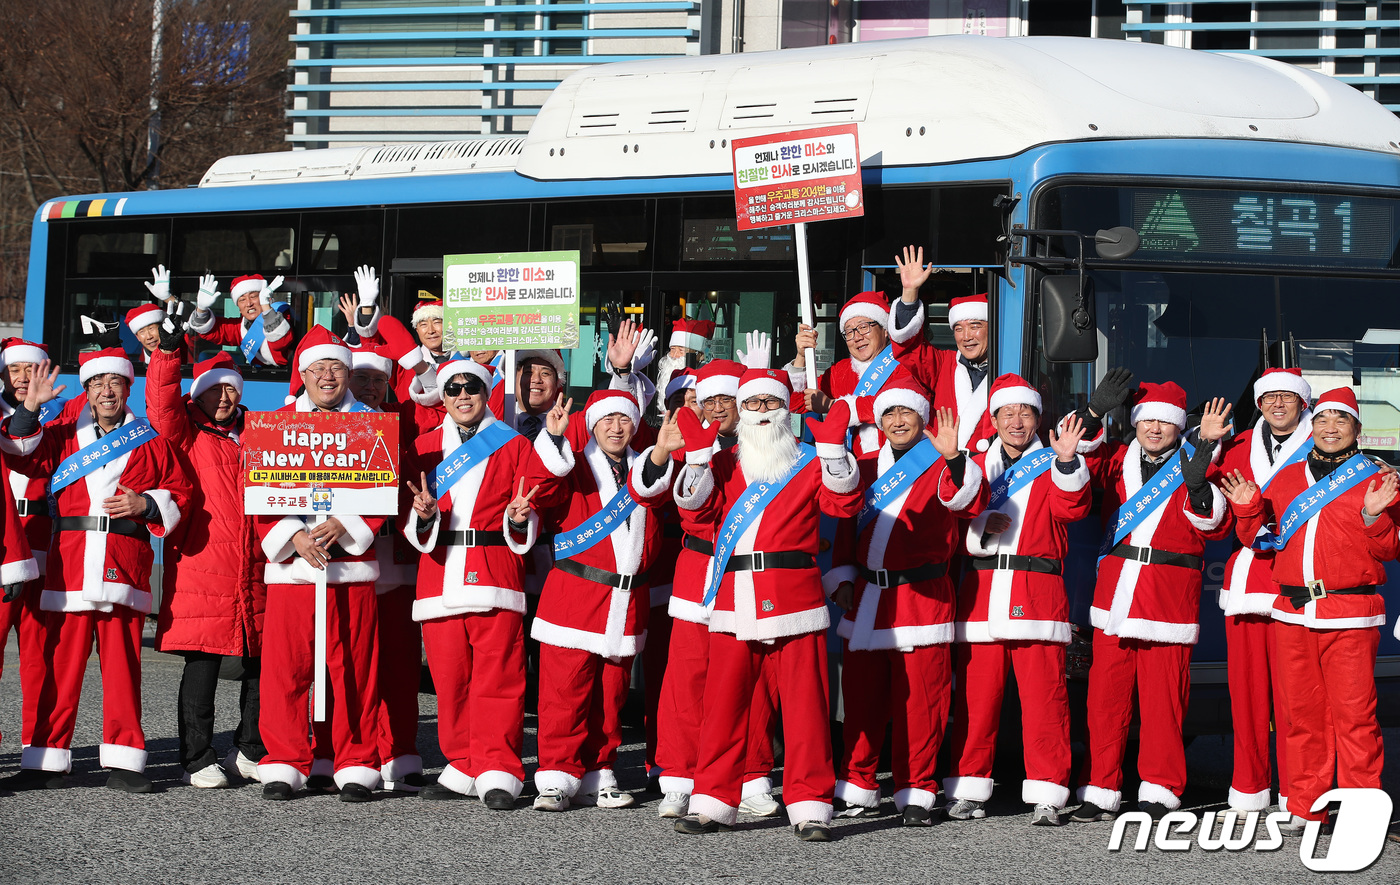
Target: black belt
[[1301, 596], [1038, 564], [886, 578], [471, 538], [32, 506], [599, 576], [1152, 556], [759, 561], [699, 545], [129, 527]]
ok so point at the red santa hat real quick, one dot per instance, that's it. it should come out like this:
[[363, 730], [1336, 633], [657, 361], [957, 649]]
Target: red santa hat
[[111, 360], [682, 380], [1011, 389], [718, 378], [1342, 399], [218, 369], [143, 315], [17, 350], [375, 358], [1283, 380], [429, 308], [318, 344], [460, 365], [603, 403], [968, 307], [692, 334], [871, 305], [252, 282], [902, 391], [553, 357], [764, 382], [1160, 402]]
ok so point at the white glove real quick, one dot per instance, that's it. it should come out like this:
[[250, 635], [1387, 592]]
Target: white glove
[[208, 294], [160, 285], [759, 350], [265, 296], [368, 284], [646, 349]]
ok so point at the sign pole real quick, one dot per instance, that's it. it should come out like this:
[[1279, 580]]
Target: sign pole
[[319, 695], [804, 288], [508, 368]]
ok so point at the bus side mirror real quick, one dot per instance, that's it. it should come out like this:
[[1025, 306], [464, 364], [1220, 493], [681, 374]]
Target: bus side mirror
[[1067, 325]]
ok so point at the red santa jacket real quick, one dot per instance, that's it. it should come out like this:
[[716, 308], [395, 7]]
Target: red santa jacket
[[17, 563], [455, 579], [775, 602], [1335, 547], [214, 597], [939, 371], [839, 382], [1152, 601], [1248, 586], [1006, 604], [353, 563], [692, 574], [918, 527], [229, 331], [578, 613], [96, 570], [33, 491]]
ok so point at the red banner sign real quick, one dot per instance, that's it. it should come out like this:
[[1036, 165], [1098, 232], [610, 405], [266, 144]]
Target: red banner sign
[[808, 175], [309, 463]]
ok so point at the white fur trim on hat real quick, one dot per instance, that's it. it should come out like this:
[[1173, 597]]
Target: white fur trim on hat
[[1159, 411], [247, 286], [216, 376], [364, 359], [609, 405], [146, 318], [1337, 407], [22, 353], [764, 387], [1282, 381], [679, 383], [550, 356], [1017, 395], [325, 351], [427, 311], [104, 365], [968, 310], [688, 340], [864, 309], [717, 385], [452, 368], [900, 396]]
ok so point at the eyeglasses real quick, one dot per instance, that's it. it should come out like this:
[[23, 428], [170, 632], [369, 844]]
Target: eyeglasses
[[718, 401], [329, 370], [1281, 398], [472, 387], [763, 404], [859, 330]]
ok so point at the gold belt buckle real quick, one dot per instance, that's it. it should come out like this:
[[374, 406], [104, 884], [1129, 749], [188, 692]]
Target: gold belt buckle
[[1316, 590]]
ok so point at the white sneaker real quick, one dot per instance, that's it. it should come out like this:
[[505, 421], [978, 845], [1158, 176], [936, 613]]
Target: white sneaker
[[674, 805], [247, 768], [210, 777], [1294, 826], [761, 804], [551, 800], [967, 809], [1046, 815], [606, 797]]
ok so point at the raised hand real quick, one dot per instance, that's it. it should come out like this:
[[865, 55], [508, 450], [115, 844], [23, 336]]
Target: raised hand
[[159, 287], [1215, 424], [622, 346], [1195, 468], [1382, 495], [1111, 392], [758, 352], [913, 273], [945, 438], [265, 296], [831, 432], [646, 349], [669, 438], [208, 294], [699, 440], [41, 389], [806, 339], [172, 330], [348, 305], [126, 505], [557, 421], [518, 510], [1065, 442], [1238, 489], [424, 504], [367, 282]]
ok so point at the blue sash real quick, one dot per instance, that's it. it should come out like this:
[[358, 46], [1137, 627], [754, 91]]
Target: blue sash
[[1314, 498], [474, 451], [1152, 495], [889, 485], [128, 437], [1294, 458], [596, 527], [361, 407], [755, 498], [496, 369], [49, 410], [255, 336], [877, 373], [1018, 475]]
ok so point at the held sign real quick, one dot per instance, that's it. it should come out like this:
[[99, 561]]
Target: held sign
[[807, 175], [320, 463], [510, 301]]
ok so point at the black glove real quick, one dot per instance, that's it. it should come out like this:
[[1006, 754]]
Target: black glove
[[172, 331], [12, 592], [1112, 391], [613, 316], [1193, 474]]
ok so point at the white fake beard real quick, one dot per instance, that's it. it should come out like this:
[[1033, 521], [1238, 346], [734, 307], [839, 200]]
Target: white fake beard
[[766, 450], [666, 366]]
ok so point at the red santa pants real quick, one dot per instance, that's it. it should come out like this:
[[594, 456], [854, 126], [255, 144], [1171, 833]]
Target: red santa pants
[[981, 669], [68, 639], [478, 664], [1328, 682], [581, 698], [1256, 709], [797, 667], [29, 622], [908, 692], [1161, 673], [654, 657], [288, 661], [400, 664], [682, 710]]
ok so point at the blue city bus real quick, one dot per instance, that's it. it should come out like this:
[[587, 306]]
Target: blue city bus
[[1265, 198]]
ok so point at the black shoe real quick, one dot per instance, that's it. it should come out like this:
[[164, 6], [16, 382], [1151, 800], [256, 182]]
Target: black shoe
[[277, 791], [1393, 834], [812, 831], [439, 793], [356, 793], [699, 825], [34, 779], [320, 783], [1089, 812], [499, 800], [917, 816], [1154, 810], [128, 781]]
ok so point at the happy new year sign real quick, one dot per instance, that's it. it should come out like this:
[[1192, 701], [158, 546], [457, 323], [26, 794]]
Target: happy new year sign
[[309, 463]]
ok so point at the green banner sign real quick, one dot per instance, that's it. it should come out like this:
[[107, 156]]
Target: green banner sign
[[510, 301]]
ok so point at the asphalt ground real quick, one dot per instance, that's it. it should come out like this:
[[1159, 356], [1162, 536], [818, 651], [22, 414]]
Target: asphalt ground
[[179, 834]]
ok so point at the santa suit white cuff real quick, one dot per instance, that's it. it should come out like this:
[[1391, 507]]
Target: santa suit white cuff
[[693, 487], [532, 532], [423, 542], [839, 474], [558, 458], [367, 329], [911, 329]]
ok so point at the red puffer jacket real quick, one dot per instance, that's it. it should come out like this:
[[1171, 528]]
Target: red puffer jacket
[[213, 597]]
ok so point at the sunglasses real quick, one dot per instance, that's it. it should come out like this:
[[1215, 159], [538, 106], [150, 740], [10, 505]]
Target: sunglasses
[[472, 387]]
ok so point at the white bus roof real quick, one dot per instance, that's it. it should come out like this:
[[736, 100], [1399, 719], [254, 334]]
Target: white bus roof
[[917, 101]]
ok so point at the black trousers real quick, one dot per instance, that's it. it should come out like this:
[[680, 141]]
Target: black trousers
[[198, 684]]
